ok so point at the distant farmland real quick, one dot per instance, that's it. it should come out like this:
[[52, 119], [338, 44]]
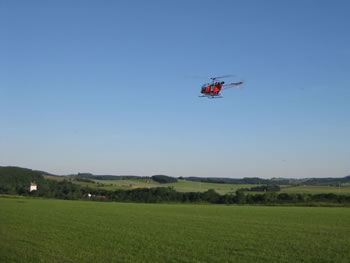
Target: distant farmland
[[181, 185], [191, 186], [43, 230], [314, 189]]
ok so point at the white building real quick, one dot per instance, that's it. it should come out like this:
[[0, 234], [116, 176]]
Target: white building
[[33, 187]]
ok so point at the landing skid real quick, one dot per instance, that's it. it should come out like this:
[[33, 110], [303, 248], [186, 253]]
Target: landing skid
[[211, 97]]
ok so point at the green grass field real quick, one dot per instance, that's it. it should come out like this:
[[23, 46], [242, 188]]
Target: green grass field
[[181, 185], [43, 230], [307, 189]]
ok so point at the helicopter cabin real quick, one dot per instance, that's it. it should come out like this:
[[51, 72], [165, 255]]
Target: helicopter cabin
[[204, 88], [212, 88]]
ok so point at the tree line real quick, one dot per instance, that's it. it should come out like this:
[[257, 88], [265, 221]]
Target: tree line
[[70, 191], [262, 188], [17, 181]]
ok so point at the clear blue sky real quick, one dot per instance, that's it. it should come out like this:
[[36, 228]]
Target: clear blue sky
[[101, 87]]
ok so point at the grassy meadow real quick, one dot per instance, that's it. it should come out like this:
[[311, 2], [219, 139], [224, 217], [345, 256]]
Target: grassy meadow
[[44, 230], [315, 189], [180, 186]]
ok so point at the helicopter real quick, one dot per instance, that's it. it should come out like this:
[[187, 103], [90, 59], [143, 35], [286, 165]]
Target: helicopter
[[212, 90]]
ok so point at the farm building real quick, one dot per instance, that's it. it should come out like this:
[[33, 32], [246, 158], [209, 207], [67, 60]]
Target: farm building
[[32, 187]]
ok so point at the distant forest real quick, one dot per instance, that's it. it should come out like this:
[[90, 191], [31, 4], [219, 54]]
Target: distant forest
[[247, 180], [16, 181], [276, 181], [163, 179]]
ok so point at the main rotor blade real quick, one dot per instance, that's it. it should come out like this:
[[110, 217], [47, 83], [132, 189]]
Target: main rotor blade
[[221, 77]]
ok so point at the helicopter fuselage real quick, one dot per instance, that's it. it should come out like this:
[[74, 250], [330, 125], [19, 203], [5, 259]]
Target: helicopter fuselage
[[212, 89]]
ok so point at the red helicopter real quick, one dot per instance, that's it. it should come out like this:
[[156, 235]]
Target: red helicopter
[[212, 90]]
